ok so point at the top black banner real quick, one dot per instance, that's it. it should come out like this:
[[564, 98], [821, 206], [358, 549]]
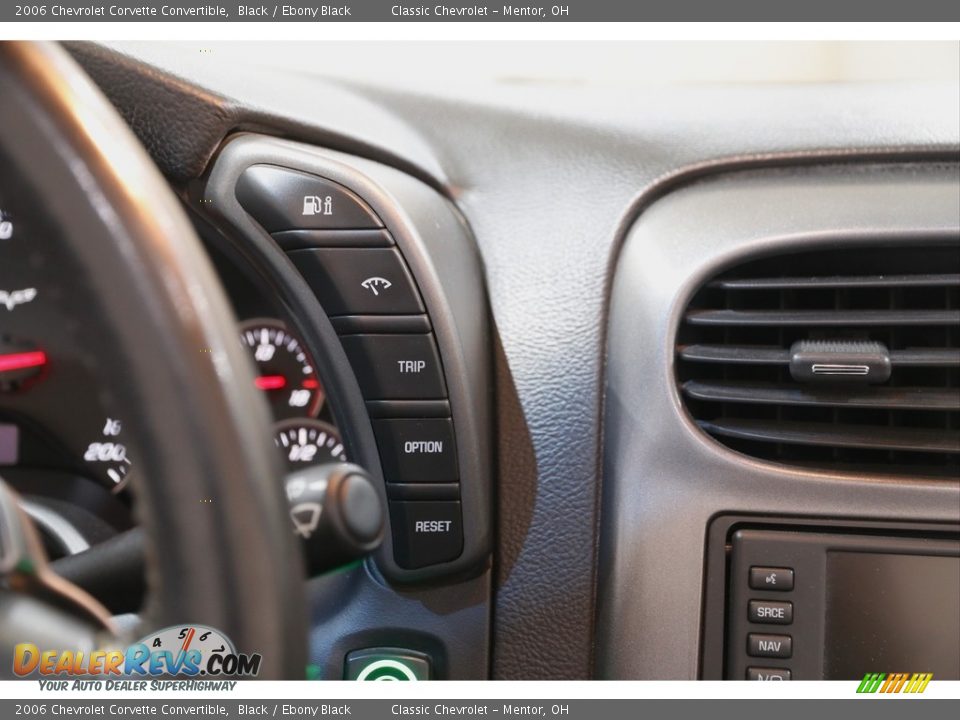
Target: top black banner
[[466, 11]]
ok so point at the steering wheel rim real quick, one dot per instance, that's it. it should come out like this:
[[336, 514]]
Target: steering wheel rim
[[208, 491]]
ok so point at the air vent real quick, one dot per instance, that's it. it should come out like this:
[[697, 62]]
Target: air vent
[[835, 359]]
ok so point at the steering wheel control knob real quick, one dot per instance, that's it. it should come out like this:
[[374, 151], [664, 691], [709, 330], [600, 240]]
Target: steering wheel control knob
[[386, 664], [336, 512]]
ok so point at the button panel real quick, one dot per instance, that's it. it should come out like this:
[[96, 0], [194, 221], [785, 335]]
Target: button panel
[[761, 606], [425, 533], [359, 281], [358, 272]]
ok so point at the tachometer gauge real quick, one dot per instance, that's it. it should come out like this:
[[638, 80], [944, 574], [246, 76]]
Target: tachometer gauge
[[284, 370], [76, 422], [308, 442]]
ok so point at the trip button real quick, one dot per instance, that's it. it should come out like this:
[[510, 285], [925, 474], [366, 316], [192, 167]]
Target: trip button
[[396, 367], [755, 673], [771, 578], [770, 611], [771, 646], [425, 533], [417, 450], [283, 199], [359, 281]]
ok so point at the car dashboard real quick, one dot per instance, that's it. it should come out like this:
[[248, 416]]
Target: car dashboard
[[645, 384]]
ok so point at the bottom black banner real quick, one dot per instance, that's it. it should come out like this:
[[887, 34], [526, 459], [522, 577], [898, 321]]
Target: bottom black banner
[[592, 709]]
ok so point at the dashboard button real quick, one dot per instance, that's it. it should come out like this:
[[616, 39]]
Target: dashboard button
[[396, 367], [771, 646], [425, 533], [359, 281], [771, 578], [770, 611], [283, 199], [417, 450], [756, 673], [386, 664]]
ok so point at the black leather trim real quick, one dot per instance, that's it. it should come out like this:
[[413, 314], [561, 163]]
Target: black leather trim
[[180, 124]]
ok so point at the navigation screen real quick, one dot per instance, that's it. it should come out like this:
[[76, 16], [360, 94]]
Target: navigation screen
[[892, 613]]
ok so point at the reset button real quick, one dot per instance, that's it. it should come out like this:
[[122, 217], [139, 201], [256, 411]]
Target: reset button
[[426, 533]]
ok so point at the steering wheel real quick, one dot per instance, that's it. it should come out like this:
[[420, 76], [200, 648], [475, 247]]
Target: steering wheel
[[220, 551]]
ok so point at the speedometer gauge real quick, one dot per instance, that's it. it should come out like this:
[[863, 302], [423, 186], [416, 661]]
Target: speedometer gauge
[[284, 370]]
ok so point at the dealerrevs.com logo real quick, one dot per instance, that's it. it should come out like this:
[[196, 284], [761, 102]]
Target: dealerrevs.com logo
[[178, 651]]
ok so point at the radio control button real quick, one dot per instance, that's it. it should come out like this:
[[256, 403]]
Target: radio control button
[[771, 646], [756, 673], [771, 578], [770, 611]]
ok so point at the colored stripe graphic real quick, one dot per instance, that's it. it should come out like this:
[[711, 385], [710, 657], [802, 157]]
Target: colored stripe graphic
[[871, 682], [913, 683]]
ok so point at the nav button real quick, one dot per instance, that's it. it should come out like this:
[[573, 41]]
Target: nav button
[[771, 646]]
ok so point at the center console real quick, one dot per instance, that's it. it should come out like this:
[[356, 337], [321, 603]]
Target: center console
[[796, 601]]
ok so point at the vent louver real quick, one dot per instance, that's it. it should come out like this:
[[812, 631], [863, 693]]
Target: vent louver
[[883, 393]]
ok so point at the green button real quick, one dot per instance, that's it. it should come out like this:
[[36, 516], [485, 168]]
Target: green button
[[386, 664]]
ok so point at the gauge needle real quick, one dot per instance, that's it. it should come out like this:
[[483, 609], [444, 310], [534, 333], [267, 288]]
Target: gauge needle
[[271, 382], [188, 639], [22, 360]]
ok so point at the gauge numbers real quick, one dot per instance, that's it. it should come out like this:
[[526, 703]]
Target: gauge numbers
[[285, 373], [308, 442]]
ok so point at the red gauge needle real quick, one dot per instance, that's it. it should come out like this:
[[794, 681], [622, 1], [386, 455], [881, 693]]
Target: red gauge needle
[[22, 360], [310, 384], [271, 382]]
